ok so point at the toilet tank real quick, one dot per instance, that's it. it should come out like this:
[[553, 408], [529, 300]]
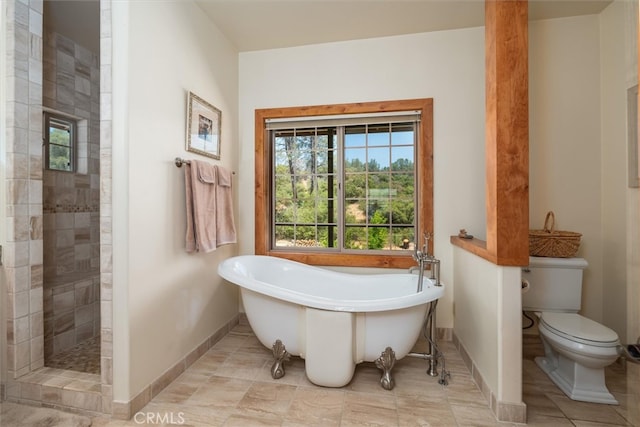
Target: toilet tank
[[553, 284]]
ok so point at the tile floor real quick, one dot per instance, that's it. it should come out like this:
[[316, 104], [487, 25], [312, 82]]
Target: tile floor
[[84, 357], [548, 406], [231, 386]]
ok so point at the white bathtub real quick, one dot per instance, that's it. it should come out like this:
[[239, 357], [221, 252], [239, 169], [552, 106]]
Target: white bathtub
[[332, 320]]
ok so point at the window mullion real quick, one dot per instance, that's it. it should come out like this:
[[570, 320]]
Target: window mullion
[[340, 196]]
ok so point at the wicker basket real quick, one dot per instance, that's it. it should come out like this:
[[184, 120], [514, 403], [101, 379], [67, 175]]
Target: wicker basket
[[553, 243]]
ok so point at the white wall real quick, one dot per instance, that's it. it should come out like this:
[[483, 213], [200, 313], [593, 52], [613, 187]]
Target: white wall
[[614, 167], [166, 302], [447, 66], [579, 70], [565, 131], [489, 321], [630, 14]]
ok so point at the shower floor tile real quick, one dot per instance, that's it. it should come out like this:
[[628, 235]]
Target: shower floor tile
[[84, 357]]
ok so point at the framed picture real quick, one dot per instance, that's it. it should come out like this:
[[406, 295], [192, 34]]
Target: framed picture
[[203, 127]]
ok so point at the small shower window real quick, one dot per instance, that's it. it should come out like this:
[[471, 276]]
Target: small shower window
[[59, 142]]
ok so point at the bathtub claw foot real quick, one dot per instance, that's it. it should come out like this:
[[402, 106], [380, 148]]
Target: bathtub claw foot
[[281, 355], [386, 361]]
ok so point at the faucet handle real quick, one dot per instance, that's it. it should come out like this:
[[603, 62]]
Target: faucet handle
[[427, 236]]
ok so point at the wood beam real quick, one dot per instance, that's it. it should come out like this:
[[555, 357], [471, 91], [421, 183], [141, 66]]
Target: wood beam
[[506, 135]]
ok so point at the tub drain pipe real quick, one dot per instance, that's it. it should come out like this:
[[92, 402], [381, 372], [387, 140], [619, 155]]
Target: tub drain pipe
[[429, 332], [433, 349]]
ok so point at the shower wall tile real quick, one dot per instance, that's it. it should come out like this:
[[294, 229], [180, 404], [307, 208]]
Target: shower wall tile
[[35, 227], [82, 235], [35, 188], [37, 276], [36, 323], [36, 300], [35, 166], [17, 278], [20, 306], [64, 323], [17, 191], [69, 313], [84, 332], [21, 251], [23, 355], [84, 315], [18, 165], [21, 329], [20, 140], [63, 302], [63, 341], [103, 197], [65, 261], [65, 238], [84, 293], [35, 252], [17, 228], [37, 352], [19, 90], [82, 251], [23, 36], [17, 210], [64, 221]]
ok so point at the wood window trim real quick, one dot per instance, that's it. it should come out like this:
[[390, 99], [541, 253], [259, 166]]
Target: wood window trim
[[424, 167]]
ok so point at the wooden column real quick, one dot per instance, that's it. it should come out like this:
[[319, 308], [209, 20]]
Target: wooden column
[[507, 130], [507, 135]]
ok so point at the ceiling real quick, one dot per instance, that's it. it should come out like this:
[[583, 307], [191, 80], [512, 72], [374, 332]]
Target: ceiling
[[268, 24]]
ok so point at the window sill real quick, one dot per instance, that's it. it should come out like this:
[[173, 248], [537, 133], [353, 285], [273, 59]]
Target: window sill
[[347, 260]]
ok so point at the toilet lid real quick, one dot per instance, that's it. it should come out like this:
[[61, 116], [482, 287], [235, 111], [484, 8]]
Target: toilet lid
[[578, 328]]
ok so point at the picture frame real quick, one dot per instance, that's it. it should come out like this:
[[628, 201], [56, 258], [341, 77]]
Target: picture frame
[[204, 124]]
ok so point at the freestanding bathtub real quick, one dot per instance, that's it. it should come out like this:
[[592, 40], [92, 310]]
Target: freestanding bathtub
[[330, 319]]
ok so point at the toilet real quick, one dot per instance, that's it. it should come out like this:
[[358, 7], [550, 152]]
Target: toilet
[[576, 349]]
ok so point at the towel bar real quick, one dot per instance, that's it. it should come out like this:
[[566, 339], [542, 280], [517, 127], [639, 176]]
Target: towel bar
[[179, 162]]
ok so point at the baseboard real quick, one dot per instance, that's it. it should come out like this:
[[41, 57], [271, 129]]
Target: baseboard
[[126, 410], [503, 411]]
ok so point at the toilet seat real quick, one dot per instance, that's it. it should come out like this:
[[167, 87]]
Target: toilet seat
[[579, 329]]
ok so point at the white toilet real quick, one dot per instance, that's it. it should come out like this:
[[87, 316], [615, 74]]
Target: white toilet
[[576, 349]]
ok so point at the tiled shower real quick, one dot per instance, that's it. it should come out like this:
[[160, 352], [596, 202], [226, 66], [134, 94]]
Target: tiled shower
[[24, 50], [71, 201]]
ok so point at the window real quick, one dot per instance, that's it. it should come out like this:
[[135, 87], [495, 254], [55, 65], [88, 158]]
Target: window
[[347, 184], [59, 142]]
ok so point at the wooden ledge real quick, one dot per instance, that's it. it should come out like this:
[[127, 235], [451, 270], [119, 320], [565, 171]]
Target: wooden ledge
[[479, 247], [475, 246]]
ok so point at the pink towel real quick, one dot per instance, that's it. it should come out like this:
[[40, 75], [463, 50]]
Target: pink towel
[[225, 226], [200, 180], [191, 231], [209, 206]]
